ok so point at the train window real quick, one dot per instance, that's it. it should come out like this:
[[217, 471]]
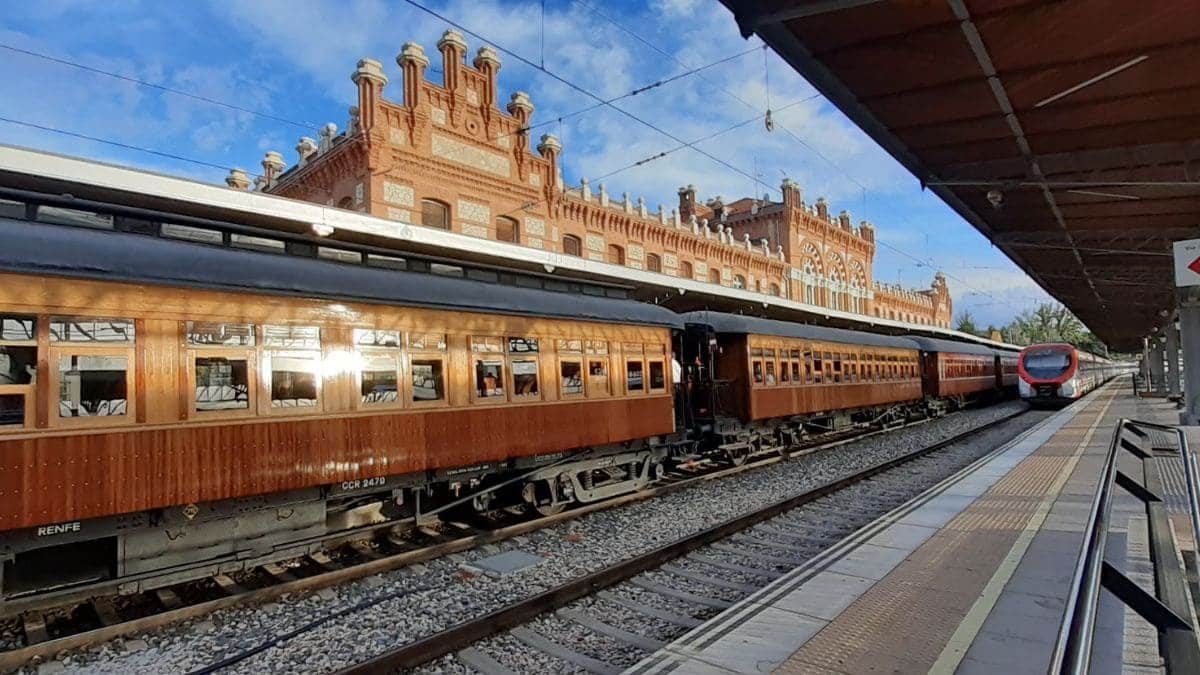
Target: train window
[[292, 337], [758, 372], [596, 346], [188, 233], [70, 329], [487, 345], [367, 337], [784, 375], [12, 410], [62, 216], [796, 372], [293, 378], [212, 334], [522, 345], [339, 255], [222, 383], [597, 377], [569, 346], [570, 373], [837, 367], [770, 373], [525, 378], [93, 385], [428, 381], [427, 342], [634, 380], [633, 348], [256, 243], [12, 209], [386, 262], [658, 375]]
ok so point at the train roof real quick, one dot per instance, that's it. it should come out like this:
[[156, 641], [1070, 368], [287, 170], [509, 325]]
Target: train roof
[[738, 323], [950, 346], [116, 256]]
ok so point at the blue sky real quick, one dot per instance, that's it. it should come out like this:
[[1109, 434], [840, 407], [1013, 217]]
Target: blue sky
[[292, 60]]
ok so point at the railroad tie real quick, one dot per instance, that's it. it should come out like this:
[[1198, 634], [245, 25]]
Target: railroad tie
[[547, 646], [596, 626], [669, 617], [669, 592], [482, 663], [35, 627], [754, 555], [734, 567], [699, 578], [105, 610]]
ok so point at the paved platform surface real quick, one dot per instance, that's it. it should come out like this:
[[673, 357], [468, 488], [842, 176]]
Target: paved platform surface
[[971, 577]]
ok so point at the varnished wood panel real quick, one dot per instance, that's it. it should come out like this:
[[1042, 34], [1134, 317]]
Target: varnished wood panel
[[54, 479], [770, 402]]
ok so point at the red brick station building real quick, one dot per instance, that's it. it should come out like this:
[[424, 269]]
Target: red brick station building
[[446, 156]]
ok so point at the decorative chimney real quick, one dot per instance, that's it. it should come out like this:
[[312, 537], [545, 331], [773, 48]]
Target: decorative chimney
[[327, 134], [370, 80], [521, 107], [822, 209], [791, 194], [454, 49], [237, 179], [550, 148], [718, 207], [687, 202], [844, 220], [412, 62], [867, 231], [273, 166], [488, 63], [306, 148]]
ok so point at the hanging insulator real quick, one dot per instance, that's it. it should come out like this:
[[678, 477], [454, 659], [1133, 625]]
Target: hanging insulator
[[768, 121]]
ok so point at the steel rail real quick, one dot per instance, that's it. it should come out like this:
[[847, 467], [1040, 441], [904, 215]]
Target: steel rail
[[461, 635]]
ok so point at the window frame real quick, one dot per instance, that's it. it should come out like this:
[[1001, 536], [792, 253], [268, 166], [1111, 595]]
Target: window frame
[[481, 355], [267, 352], [449, 218], [411, 354], [363, 351], [512, 357], [568, 355], [126, 350], [27, 391], [249, 353], [516, 229], [575, 242]]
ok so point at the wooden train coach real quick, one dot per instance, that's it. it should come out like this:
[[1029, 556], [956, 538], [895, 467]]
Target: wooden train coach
[[959, 370], [163, 402], [777, 370]]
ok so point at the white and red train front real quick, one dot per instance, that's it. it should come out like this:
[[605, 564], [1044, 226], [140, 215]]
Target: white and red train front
[[1054, 372]]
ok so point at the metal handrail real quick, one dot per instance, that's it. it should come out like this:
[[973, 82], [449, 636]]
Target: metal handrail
[[1073, 648]]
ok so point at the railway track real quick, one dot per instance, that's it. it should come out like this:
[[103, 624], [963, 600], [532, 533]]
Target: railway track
[[103, 618], [607, 620]]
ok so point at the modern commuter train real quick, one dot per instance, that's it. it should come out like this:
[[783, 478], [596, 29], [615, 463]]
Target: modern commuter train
[[178, 401], [1057, 373]]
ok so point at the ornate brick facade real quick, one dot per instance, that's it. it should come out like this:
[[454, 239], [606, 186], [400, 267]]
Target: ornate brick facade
[[447, 156]]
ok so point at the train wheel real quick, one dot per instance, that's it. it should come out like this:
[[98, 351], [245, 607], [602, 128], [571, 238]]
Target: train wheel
[[549, 509]]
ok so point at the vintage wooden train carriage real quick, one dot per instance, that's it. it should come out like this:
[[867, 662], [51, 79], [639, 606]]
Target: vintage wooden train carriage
[[777, 369], [1009, 372], [958, 370], [148, 382]]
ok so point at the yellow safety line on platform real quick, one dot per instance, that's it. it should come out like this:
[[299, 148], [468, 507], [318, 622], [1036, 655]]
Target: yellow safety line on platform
[[956, 648]]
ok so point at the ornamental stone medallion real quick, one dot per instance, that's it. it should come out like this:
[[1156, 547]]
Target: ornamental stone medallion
[[395, 193]]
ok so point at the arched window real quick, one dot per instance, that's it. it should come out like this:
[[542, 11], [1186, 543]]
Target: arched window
[[571, 245], [653, 263], [685, 270], [810, 294], [775, 289], [435, 214], [346, 203], [615, 255], [714, 276], [739, 281], [507, 229]]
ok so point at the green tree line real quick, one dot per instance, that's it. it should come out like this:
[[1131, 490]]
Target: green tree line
[[1049, 322]]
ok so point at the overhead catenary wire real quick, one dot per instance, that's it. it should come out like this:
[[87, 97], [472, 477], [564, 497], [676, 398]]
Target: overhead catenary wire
[[579, 88], [160, 87]]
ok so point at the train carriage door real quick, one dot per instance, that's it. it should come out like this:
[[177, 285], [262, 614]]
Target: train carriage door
[[998, 371], [930, 377]]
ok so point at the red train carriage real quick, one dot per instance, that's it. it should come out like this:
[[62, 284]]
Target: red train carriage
[[780, 379], [959, 371], [172, 406], [1057, 373]]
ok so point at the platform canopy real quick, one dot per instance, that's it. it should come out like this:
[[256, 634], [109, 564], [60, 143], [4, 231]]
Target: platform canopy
[[1067, 132]]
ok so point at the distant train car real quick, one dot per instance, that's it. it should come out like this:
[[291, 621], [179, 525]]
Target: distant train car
[[959, 372], [1060, 373]]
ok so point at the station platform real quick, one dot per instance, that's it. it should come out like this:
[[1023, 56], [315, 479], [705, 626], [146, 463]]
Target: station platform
[[972, 577]]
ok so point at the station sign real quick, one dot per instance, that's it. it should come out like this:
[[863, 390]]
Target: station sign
[[1187, 263]]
